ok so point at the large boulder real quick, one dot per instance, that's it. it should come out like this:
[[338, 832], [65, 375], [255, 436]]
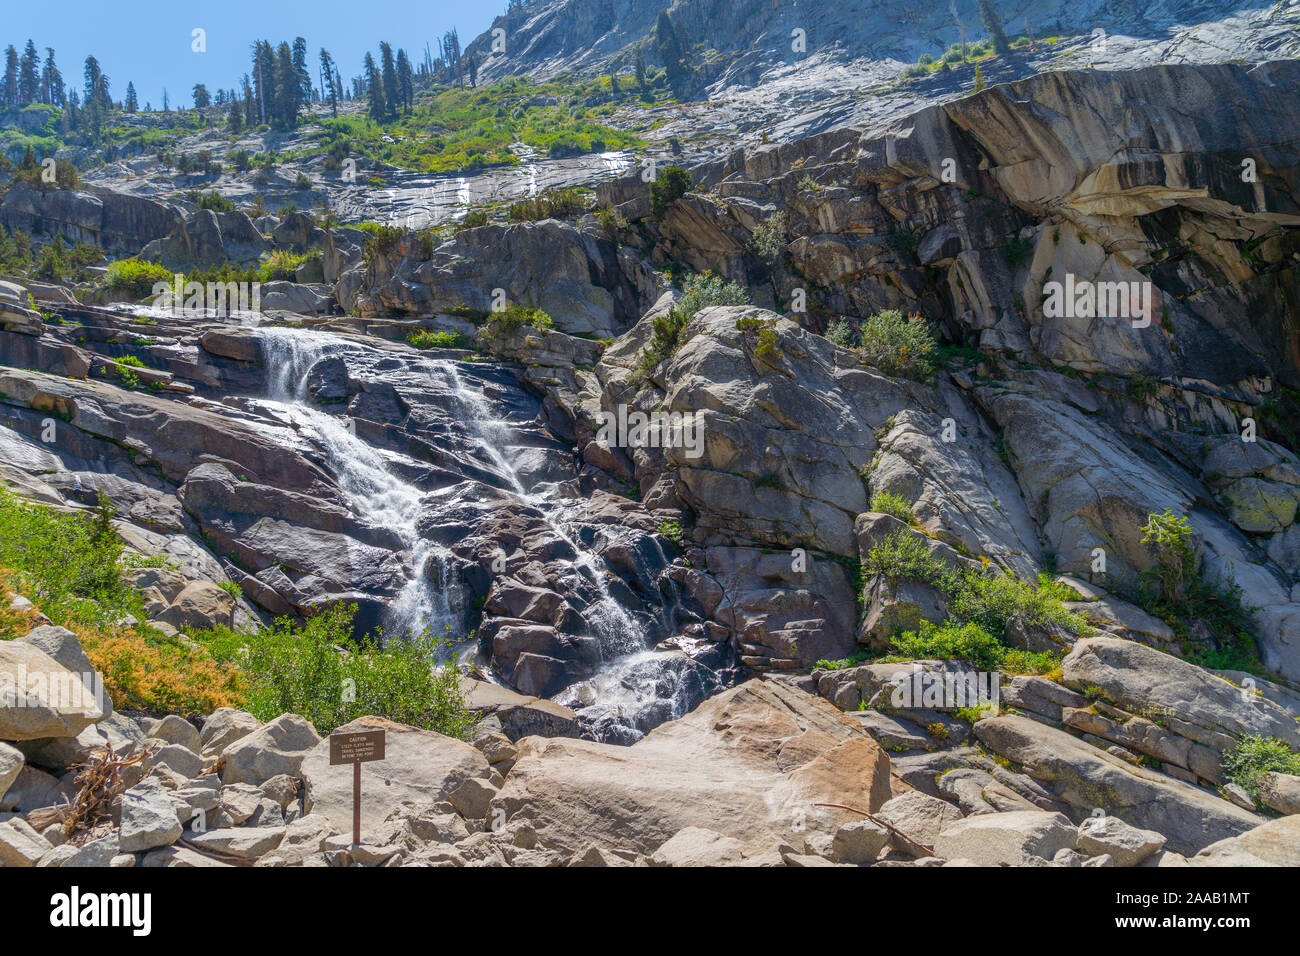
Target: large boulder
[[39, 697], [751, 762], [1276, 843], [1014, 839], [1087, 779], [1193, 701], [274, 748]]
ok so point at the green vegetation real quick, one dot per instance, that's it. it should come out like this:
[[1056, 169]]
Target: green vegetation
[[898, 345], [994, 601], [549, 204], [280, 264], [301, 669], [123, 370], [436, 340], [1247, 761], [74, 567], [1174, 590], [766, 345], [768, 238], [699, 292], [510, 320], [1017, 251], [56, 263], [886, 502], [951, 642], [216, 202], [136, 277], [672, 530], [463, 130], [842, 334], [670, 185]]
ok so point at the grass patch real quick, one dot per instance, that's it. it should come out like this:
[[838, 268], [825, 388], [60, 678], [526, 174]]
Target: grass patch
[[1246, 762], [315, 670], [886, 502], [897, 344], [436, 340], [136, 277], [699, 292]]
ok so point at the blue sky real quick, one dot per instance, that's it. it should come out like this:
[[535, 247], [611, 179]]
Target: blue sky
[[149, 41]]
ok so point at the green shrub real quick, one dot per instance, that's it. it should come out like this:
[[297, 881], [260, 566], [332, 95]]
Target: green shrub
[[1018, 250], [549, 204], [512, 318], [898, 345], [997, 601], [669, 186], [699, 292], [994, 601], [70, 565], [886, 502], [135, 277], [842, 334], [216, 202], [672, 530], [1170, 535], [280, 265], [768, 238], [436, 340], [951, 642], [903, 556], [306, 669], [1247, 761], [123, 370]]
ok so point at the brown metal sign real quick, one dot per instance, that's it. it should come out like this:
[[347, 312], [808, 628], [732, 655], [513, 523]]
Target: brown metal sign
[[356, 749], [360, 747]]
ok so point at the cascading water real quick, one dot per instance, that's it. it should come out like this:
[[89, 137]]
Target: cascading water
[[374, 493], [634, 688]]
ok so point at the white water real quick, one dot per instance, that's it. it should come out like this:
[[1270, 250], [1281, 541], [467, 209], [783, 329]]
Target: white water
[[632, 679], [373, 492]]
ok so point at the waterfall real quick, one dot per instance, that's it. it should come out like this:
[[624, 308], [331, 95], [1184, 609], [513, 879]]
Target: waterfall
[[634, 688], [431, 595]]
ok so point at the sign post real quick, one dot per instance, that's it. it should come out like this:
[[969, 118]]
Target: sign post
[[356, 749]]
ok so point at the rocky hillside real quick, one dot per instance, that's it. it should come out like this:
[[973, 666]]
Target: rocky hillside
[[1074, 467]]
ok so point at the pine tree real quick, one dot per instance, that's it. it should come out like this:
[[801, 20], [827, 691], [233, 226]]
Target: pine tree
[[9, 85], [638, 66], [406, 80], [51, 81], [202, 99], [300, 67], [979, 79], [264, 80], [670, 51], [29, 75], [288, 88], [989, 14], [374, 90], [132, 102], [236, 119], [388, 72], [613, 84], [327, 80]]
